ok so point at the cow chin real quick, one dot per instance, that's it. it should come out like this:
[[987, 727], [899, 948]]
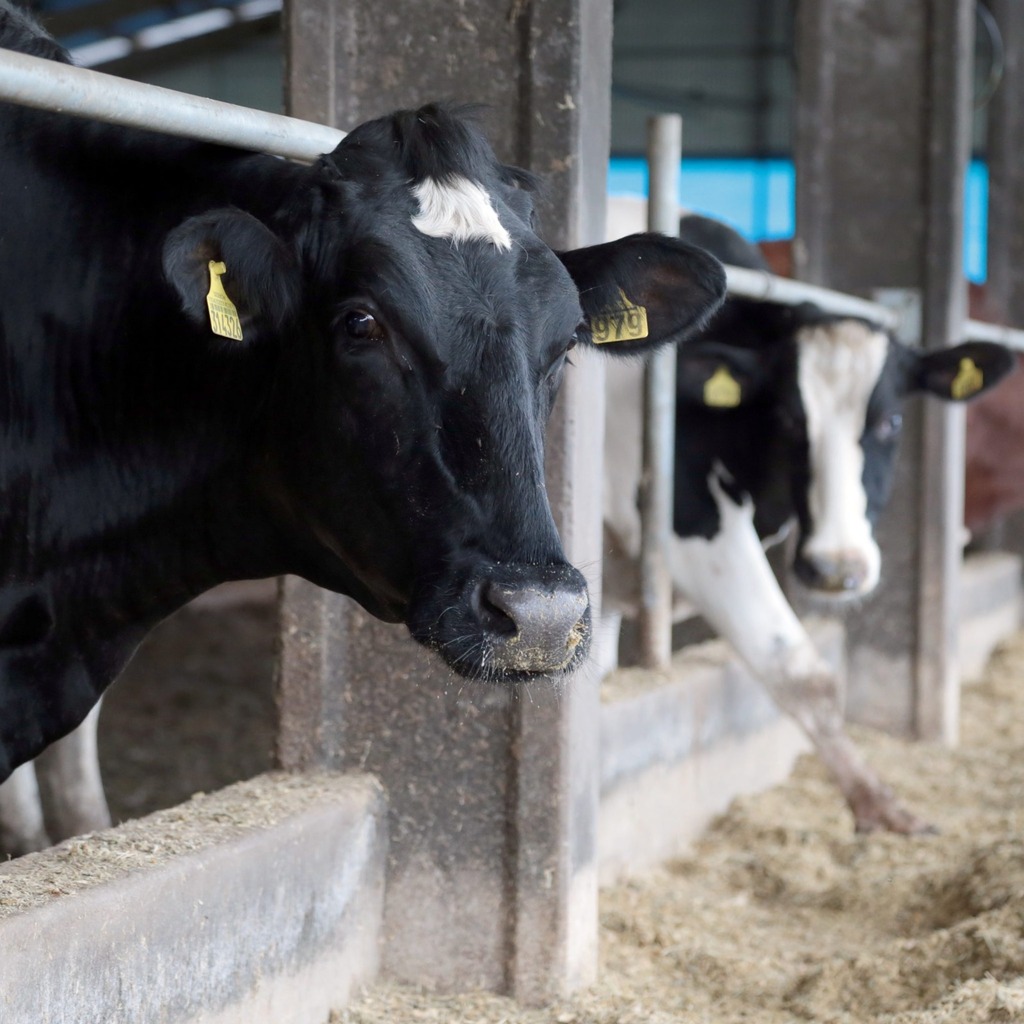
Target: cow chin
[[506, 623]]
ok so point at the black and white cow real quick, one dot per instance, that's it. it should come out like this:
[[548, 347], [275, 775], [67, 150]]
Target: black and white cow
[[219, 365], [785, 416]]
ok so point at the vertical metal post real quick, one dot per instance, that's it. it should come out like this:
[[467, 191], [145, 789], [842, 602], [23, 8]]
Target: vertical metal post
[[940, 512], [664, 155]]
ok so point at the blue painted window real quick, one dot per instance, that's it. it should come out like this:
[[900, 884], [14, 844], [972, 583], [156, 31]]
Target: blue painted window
[[757, 198]]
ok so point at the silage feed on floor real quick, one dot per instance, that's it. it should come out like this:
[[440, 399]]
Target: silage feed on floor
[[781, 914]]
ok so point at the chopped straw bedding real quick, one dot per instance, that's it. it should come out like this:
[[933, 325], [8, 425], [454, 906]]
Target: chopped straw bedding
[[781, 914]]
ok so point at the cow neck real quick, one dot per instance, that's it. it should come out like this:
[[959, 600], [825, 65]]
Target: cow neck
[[141, 443]]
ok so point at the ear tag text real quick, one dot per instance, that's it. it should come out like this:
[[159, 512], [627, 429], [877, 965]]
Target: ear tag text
[[722, 390], [223, 315], [968, 380], [625, 322]]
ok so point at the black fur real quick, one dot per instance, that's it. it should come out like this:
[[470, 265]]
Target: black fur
[[380, 430], [763, 443]]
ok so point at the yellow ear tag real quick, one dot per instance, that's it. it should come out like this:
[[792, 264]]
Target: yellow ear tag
[[223, 315], [722, 390], [625, 322], [967, 381]]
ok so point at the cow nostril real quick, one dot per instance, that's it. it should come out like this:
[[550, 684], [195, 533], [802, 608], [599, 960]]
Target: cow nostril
[[493, 617]]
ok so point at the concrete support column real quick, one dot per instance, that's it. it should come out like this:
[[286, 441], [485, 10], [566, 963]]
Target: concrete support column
[[883, 122], [492, 796]]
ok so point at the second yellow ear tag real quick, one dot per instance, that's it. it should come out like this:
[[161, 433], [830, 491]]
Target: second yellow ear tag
[[625, 322], [968, 380], [722, 390], [223, 315]]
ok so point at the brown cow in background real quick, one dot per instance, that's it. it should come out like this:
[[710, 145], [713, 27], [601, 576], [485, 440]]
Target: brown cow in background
[[994, 481]]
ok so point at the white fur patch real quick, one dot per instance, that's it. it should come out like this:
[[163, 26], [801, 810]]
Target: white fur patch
[[839, 366], [21, 811], [458, 209], [729, 579]]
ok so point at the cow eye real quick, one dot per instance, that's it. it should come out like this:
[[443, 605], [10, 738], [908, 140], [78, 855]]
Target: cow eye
[[573, 340], [888, 427], [560, 360], [363, 325]]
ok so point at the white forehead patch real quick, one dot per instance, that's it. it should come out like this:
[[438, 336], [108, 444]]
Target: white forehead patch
[[458, 209], [839, 366]]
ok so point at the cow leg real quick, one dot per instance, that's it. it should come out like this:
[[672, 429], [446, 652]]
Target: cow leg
[[729, 579], [69, 776], [21, 814]]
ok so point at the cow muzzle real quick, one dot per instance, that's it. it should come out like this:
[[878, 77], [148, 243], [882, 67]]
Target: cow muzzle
[[509, 623], [535, 626], [838, 574]]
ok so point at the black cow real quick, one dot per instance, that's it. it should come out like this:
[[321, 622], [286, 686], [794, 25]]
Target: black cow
[[788, 415], [219, 365]]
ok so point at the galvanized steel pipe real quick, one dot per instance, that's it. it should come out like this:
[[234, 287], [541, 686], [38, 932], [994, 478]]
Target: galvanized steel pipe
[[1011, 337], [654, 623], [757, 284], [34, 82]]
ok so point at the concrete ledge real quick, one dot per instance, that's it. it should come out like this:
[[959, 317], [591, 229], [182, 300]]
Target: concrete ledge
[[675, 751], [260, 903], [990, 606]]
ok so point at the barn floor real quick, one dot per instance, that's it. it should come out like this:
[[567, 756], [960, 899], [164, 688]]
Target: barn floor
[[781, 914]]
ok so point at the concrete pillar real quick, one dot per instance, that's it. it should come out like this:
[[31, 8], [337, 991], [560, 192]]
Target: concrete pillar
[[883, 116], [493, 800]]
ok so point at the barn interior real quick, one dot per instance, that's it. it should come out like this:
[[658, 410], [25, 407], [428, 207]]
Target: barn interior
[[605, 851]]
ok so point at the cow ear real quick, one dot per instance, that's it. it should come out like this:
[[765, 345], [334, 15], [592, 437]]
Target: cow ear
[[959, 373], [232, 274], [644, 291], [719, 376]]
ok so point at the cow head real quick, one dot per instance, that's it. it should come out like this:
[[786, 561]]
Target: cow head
[[852, 379], [830, 392], [423, 329]]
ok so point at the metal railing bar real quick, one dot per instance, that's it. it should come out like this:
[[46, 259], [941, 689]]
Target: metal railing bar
[[757, 284], [979, 330], [47, 85]]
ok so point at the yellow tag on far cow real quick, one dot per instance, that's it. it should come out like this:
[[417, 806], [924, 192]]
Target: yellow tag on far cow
[[968, 380], [722, 390], [626, 322], [223, 315]]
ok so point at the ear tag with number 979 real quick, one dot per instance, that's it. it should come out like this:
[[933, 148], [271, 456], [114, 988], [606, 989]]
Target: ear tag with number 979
[[626, 322], [223, 315]]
